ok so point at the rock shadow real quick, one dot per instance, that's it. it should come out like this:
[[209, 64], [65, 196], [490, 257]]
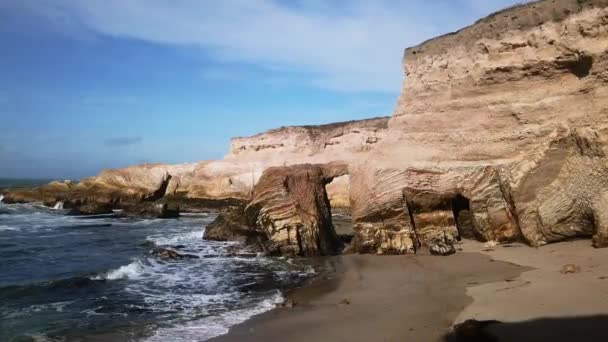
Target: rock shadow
[[584, 328]]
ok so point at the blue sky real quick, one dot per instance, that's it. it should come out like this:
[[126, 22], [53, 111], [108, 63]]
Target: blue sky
[[93, 84]]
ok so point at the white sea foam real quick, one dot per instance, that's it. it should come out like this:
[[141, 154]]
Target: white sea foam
[[58, 205], [177, 239], [7, 228], [209, 327], [1, 198], [130, 271]]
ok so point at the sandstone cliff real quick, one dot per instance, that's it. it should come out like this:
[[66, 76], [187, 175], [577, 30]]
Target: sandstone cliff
[[215, 183], [505, 122]]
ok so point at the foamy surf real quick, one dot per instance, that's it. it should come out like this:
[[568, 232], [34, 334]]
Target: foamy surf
[[213, 326], [130, 271], [58, 205], [189, 299]]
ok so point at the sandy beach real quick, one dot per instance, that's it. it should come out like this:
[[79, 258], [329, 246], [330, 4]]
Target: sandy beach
[[419, 298]]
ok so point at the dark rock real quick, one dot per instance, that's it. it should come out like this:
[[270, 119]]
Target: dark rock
[[92, 208], [151, 209], [471, 331], [166, 253], [231, 225]]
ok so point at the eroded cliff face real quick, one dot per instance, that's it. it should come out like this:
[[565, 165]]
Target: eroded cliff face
[[236, 175], [499, 133], [216, 183]]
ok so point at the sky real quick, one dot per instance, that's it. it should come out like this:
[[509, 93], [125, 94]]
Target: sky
[[92, 84]]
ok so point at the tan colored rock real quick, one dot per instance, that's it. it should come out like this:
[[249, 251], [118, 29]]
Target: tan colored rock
[[290, 206], [508, 115]]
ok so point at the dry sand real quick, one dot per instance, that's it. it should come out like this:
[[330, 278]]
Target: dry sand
[[418, 298]]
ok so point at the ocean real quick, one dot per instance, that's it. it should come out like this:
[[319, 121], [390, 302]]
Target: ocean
[[69, 278]]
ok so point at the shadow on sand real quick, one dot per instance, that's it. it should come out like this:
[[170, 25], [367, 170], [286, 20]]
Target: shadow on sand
[[588, 328]]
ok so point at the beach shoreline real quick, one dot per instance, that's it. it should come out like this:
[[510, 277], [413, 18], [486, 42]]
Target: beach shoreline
[[420, 297], [377, 298]]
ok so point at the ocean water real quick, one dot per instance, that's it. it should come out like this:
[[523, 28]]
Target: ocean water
[[66, 278], [20, 182]]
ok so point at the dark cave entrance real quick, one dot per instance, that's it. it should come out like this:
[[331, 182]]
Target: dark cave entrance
[[581, 67], [463, 217]]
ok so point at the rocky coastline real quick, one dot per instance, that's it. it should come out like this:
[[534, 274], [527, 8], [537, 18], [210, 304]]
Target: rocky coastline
[[500, 134]]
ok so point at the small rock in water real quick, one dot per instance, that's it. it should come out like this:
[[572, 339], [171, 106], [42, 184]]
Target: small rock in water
[[570, 268], [165, 253]]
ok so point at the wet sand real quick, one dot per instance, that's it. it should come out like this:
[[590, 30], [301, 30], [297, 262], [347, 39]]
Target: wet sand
[[379, 298]]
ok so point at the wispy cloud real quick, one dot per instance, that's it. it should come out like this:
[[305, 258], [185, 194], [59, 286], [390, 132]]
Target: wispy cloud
[[122, 141], [348, 46]]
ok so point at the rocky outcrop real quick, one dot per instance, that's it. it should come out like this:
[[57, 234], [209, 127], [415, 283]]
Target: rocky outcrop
[[232, 224], [291, 208], [215, 184], [289, 214], [499, 134]]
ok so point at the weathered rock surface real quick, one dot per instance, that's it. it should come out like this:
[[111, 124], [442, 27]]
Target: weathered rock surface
[[233, 225], [291, 208], [215, 184]]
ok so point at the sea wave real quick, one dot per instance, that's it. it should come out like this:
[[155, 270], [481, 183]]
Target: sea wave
[[213, 326], [131, 271], [177, 239]]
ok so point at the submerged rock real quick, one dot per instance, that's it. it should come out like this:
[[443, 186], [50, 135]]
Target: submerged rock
[[151, 210], [92, 208], [166, 253]]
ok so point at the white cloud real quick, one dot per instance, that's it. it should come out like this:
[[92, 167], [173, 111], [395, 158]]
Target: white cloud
[[356, 46]]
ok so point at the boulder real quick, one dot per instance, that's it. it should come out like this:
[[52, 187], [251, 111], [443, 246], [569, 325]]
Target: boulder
[[167, 253], [291, 208], [232, 225]]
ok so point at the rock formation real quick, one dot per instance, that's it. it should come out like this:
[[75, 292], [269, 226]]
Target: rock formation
[[223, 182], [289, 214], [499, 133], [291, 207]]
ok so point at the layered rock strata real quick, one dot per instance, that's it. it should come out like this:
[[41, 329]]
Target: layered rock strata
[[499, 133], [227, 182], [289, 214]]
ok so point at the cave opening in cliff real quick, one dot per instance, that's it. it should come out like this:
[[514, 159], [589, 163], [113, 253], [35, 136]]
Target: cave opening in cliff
[[581, 67], [463, 217], [338, 192]]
